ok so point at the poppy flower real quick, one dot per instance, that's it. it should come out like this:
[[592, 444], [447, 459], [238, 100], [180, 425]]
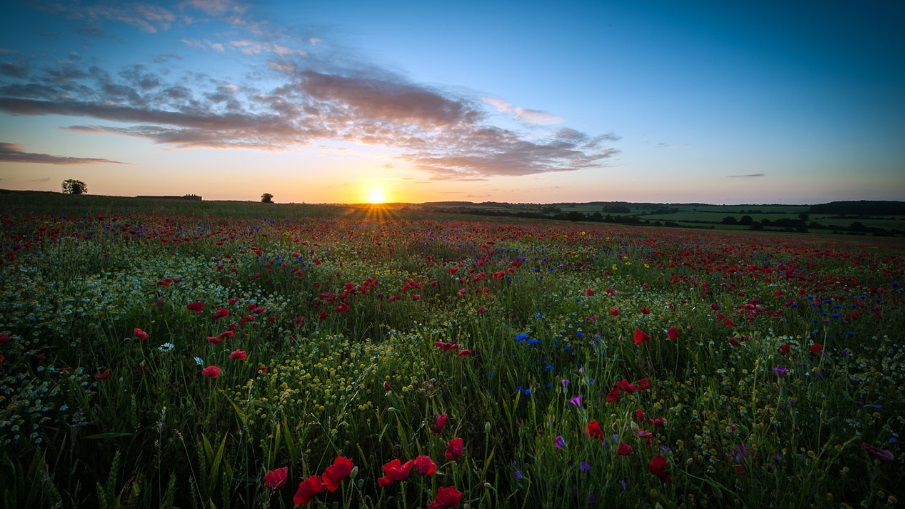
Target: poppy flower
[[784, 348], [463, 353], [640, 337], [624, 449], [387, 387], [589, 292], [672, 333], [445, 347], [4, 337], [625, 386], [454, 449], [425, 466], [214, 339], [593, 430], [613, 395], [439, 423], [876, 452], [734, 342], [644, 384], [614, 311], [140, 334], [197, 307], [658, 467], [276, 479], [645, 311], [211, 371], [102, 376], [239, 355], [446, 497], [307, 489], [395, 471], [816, 349], [221, 313], [335, 473]]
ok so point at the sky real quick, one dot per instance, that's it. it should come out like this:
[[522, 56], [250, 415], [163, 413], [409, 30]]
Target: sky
[[330, 101]]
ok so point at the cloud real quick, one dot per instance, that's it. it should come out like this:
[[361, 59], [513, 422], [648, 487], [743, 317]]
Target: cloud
[[525, 115], [672, 145], [13, 153], [296, 99], [750, 175]]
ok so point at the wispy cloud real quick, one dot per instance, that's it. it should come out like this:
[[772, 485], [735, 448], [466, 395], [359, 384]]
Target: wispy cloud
[[672, 145], [13, 153], [748, 176], [297, 97], [525, 115]]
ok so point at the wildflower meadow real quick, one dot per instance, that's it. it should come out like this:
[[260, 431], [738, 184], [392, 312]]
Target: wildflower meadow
[[152, 359]]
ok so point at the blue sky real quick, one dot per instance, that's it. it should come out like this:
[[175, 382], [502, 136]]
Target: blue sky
[[317, 101]]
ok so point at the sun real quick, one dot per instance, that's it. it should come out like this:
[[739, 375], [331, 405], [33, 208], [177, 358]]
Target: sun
[[375, 196]]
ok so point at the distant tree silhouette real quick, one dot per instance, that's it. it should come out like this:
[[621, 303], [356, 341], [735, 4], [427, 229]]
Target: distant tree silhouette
[[266, 198], [71, 186]]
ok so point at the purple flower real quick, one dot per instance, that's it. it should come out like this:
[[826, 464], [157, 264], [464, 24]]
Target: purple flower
[[622, 483], [576, 400], [564, 382], [781, 371], [584, 466], [560, 442]]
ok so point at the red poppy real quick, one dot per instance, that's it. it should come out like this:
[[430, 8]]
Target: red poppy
[[239, 355], [624, 386], [439, 423], [446, 497], [784, 348], [215, 339], [658, 467], [101, 376], [387, 387], [463, 353], [624, 449], [395, 471], [589, 292], [672, 333], [593, 430], [614, 311], [816, 349], [876, 452], [734, 342], [425, 466], [445, 347], [307, 489], [197, 307], [613, 395], [4, 337], [454, 449], [645, 311], [640, 337], [221, 313], [335, 473], [211, 371], [276, 479], [482, 309], [644, 384], [140, 334]]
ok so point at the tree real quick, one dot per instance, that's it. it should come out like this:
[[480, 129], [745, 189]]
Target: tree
[[266, 198], [71, 186]]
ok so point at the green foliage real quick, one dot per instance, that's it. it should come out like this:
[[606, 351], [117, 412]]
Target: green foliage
[[71, 186], [348, 336]]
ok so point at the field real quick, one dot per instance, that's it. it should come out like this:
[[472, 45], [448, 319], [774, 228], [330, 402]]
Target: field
[[251, 355]]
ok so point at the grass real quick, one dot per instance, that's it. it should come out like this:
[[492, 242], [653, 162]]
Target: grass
[[759, 370]]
